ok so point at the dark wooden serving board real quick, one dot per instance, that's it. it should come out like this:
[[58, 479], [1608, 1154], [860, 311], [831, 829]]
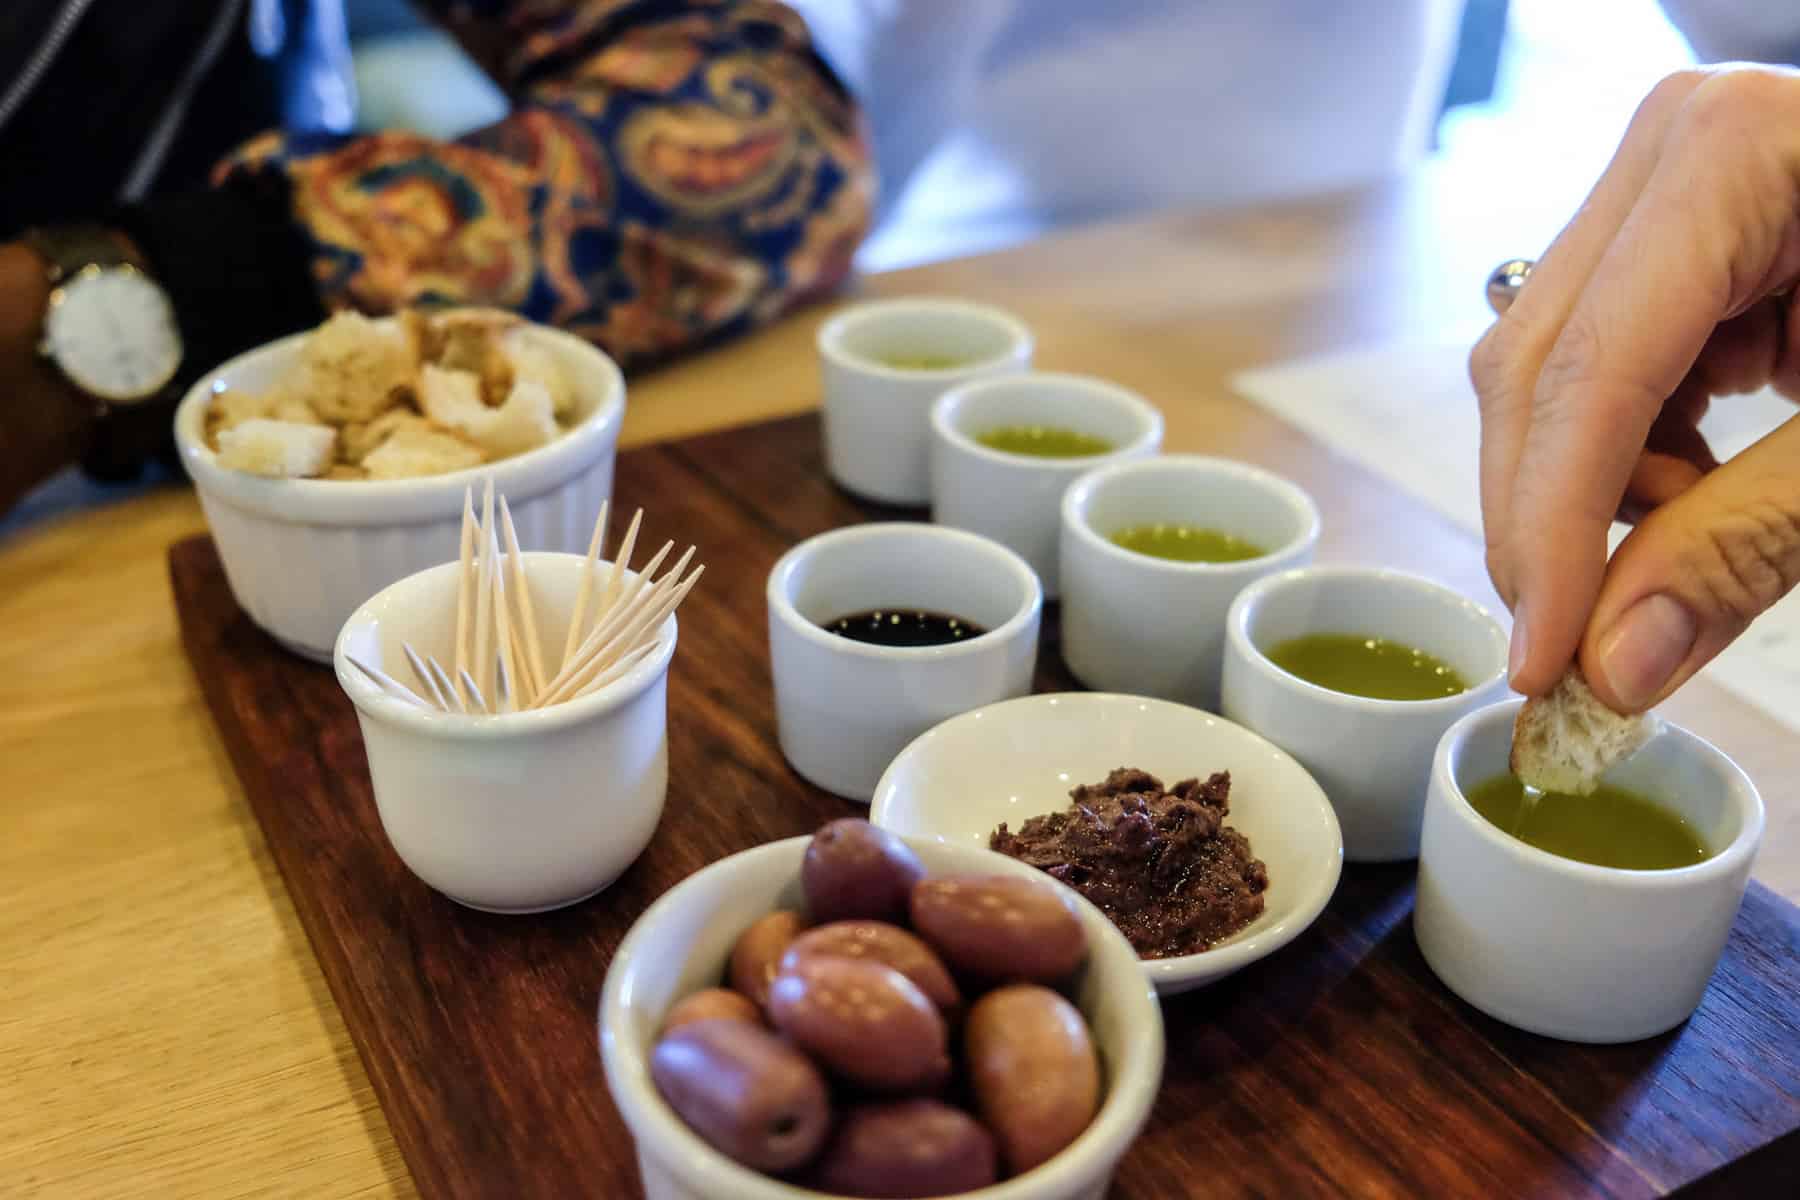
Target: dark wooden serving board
[[1337, 1066]]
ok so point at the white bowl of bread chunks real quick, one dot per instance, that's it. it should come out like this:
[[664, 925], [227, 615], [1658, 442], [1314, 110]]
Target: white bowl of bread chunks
[[334, 462]]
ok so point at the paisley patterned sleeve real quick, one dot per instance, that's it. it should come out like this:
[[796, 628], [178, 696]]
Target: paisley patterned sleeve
[[672, 172]]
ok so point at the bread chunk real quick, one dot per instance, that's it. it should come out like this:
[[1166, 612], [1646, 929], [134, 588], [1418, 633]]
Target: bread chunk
[[277, 449], [533, 364], [1566, 739], [352, 368], [525, 421], [361, 438], [414, 452], [464, 387], [469, 339], [229, 409]]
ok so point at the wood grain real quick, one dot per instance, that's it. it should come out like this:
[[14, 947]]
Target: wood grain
[[1338, 1065]]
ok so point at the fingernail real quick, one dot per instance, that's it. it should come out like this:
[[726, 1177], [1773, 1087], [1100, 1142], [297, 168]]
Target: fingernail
[[1515, 655], [1645, 646]]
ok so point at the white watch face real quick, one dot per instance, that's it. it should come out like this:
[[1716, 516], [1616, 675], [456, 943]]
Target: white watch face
[[112, 332]]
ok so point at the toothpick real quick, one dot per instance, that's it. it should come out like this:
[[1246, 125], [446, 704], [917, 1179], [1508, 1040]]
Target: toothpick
[[504, 683], [387, 683], [482, 660], [503, 640], [618, 669], [595, 545], [621, 564], [531, 664], [654, 608], [610, 621], [529, 684], [424, 675], [657, 611], [464, 583], [475, 695], [500, 652], [651, 617], [447, 686]]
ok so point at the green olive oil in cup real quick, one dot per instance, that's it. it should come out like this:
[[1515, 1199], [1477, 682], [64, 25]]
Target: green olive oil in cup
[[1367, 666], [1044, 441], [922, 362], [1611, 828], [1187, 543]]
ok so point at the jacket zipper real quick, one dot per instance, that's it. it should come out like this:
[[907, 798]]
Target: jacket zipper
[[41, 58], [156, 147]]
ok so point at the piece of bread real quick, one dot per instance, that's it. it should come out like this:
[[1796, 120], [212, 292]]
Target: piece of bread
[[229, 409], [277, 449], [539, 366], [1566, 739], [352, 368], [359, 439], [524, 422], [451, 397], [469, 339], [414, 452], [289, 406]]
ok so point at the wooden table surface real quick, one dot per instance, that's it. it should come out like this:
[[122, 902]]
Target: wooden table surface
[[163, 1024]]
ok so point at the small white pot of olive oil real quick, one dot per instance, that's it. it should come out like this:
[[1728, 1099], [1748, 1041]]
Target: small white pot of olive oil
[[1588, 918]]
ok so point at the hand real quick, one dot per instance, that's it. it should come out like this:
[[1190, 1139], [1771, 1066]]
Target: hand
[[1667, 288], [43, 422]]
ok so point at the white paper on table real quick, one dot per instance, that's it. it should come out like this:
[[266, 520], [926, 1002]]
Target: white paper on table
[[1407, 413]]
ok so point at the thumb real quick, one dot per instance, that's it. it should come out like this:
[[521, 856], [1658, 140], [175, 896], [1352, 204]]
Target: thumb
[[1695, 573]]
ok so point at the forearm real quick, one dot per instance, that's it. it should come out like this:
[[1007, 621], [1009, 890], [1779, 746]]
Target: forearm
[[43, 423]]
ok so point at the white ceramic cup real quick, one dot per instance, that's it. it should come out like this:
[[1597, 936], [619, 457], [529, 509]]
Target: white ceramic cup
[[1151, 626], [1372, 757], [844, 708], [681, 943], [1568, 949], [1016, 499], [876, 417], [521, 812], [301, 554]]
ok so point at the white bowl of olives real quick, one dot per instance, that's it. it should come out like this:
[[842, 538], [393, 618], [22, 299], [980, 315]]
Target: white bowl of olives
[[1003, 1043]]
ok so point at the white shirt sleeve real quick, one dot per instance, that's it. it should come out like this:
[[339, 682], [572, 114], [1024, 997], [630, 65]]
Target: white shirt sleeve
[[1732, 30], [913, 65]]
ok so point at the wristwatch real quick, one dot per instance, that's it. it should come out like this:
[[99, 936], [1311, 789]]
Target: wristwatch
[[110, 331]]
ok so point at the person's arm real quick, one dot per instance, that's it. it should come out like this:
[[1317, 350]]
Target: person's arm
[[45, 423], [1673, 284], [670, 173]]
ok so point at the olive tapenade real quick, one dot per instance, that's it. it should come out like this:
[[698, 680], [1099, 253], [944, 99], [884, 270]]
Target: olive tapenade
[[1161, 863]]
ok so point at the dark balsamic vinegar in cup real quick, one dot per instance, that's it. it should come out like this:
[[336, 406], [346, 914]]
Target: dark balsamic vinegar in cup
[[901, 627]]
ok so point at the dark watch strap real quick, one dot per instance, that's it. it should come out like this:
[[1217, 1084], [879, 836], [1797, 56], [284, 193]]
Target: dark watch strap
[[69, 248]]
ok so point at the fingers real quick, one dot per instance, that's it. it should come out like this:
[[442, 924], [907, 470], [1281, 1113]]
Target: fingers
[[1785, 377], [1743, 353], [1505, 363], [1698, 247], [1676, 431], [1656, 480], [1695, 573]]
